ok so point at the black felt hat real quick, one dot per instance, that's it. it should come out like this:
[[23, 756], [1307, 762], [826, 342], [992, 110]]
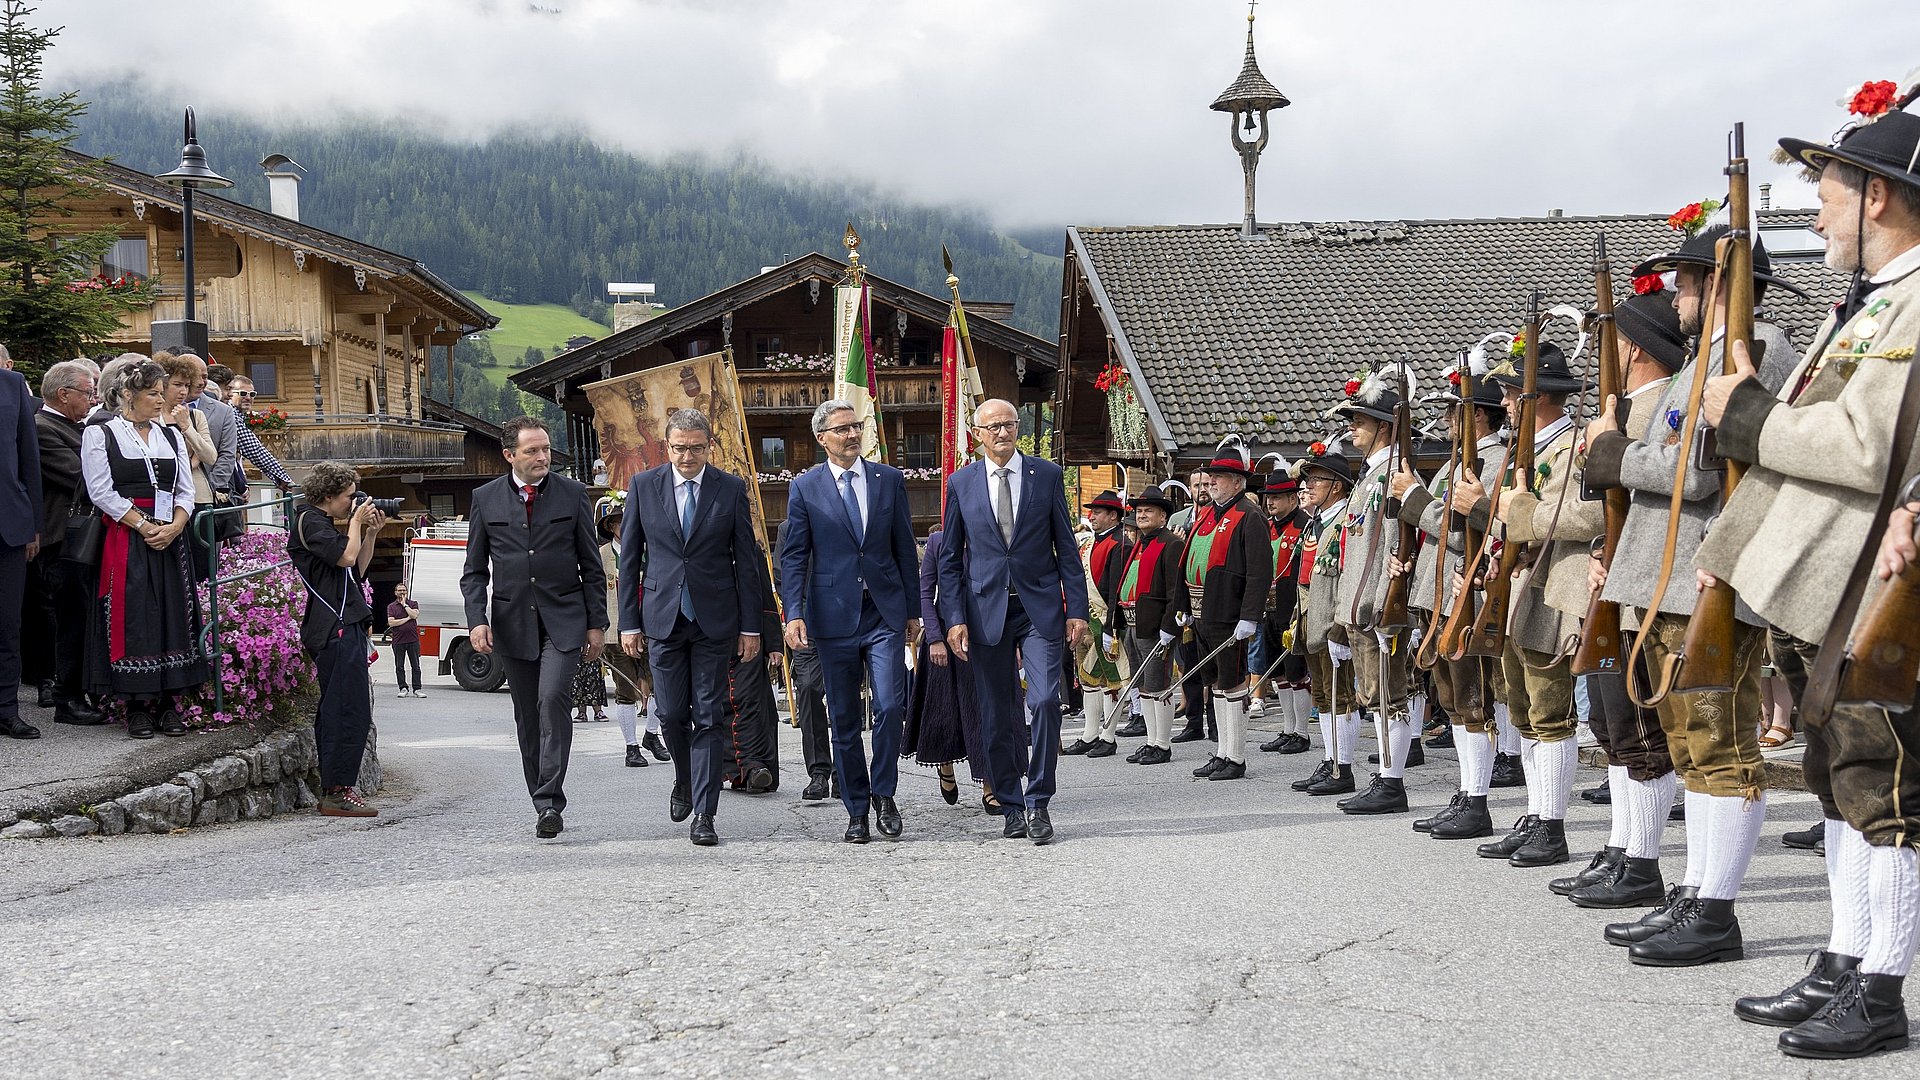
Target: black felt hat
[[1108, 500], [1888, 147], [1279, 482], [1554, 377], [1153, 496], [1332, 463], [1698, 250], [1650, 321]]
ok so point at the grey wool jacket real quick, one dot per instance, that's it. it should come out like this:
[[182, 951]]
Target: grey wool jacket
[[1367, 546], [1324, 584], [1426, 506]]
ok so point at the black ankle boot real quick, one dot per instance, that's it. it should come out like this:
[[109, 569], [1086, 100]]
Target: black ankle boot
[[1866, 1015], [1702, 932], [1372, 783], [1607, 866], [1546, 846], [1387, 796], [1638, 883], [1504, 847], [1801, 1000], [1416, 754], [1458, 804], [1507, 771], [1661, 917], [1319, 773], [1473, 821], [1340, 783], [1442, 739]]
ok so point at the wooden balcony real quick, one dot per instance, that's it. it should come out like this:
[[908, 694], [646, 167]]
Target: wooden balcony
[[901, 389], [375, 445]]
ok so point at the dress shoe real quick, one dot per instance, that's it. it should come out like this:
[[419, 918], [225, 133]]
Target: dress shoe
[[1338, 783], [1504, 847], [78, 713], [1866, 1015], [1703, 932], [1277, 743], [139, 726], [1016, 824], [1545, 846], [1454, 806], [653, 744], [1810, 839], [1600, 794], [549, 826], [1638, 885], [887, 815], [1372, 782], [1154, 755], [1388, 796], [679, 803], [171, 724], [1441, 740], [701, 831], [1214, 761], [1320, 772], [1470, 822], [1077, 747], [1102, 748], [1134, 758], [636, 757], [1661, 917], [1134, 728], [1229, 770], [857, 829], [816, 789], [1607, 865], [1803, 999], [1297, 744], [1039, 825], [45, 696], [1508, 772], [15, 728], [1190, 733], [759, 780]]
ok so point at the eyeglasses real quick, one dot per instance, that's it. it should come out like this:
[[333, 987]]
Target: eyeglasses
[[845, 429], [687, 451], [244, 393], [1002, 426]]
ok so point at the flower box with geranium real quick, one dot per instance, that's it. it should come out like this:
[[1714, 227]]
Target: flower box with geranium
[[267, 419], [1126, 418]]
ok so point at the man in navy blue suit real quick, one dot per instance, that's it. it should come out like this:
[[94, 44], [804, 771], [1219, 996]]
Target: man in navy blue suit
[[20, 534], [691, 577], [1011, 581], [844, 568]]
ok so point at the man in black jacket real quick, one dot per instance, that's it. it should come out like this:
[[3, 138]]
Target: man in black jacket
[[59, 592]]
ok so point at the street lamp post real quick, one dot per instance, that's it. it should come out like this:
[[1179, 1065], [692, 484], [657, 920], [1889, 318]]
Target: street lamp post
[[187, 334]]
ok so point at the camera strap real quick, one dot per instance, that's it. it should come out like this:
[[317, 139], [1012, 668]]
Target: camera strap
[[339, 613]]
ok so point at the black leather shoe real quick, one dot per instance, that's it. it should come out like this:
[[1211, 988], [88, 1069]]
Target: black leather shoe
[[1504, 847], [701, 831], [636, 757], [1134, 758], [1607, 866], [78, 713], [1661, 917], [1470, 822], [1154, 755], [1016, 825], [857, 829], [1810, 839], [1134, 728], [139, 726], [1373, 782], [1228, 770], [1275, 744], [171, 724], [1102, 748], [1867, 1015], [887, 816], [1388, 796], [1454, 806], [1039, 826], [816, 789], [1204, 771], [1297, 744], [1508, 772], [679, 803], [1639, 884], [549, 826], [1339, 782], [1320, 772], [1416, 754], [1600, 794], [1077, 747], [16, 728], [1803, 999], [760, 780], [45, 697], [1546, 845], [1190, 733], [653, 744], [1441, 740], [1703, 932]]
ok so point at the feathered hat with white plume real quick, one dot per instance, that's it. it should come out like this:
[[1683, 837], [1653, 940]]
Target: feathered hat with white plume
[[1231, 456]]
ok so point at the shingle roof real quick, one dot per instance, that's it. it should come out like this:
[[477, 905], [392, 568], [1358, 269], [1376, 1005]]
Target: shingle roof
[[1226, 332]]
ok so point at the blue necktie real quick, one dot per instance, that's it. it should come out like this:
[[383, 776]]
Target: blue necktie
[[853, 506], [686, 531]]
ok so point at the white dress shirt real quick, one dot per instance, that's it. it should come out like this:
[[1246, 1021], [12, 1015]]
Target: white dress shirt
[[859, 487], [1014, 481], [99, 478], [680, 491]]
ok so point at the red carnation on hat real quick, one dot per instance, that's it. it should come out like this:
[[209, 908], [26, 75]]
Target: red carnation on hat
[[1318, 449], [1648, 283], [1454, 376], [1873, 98], [1353, 387]]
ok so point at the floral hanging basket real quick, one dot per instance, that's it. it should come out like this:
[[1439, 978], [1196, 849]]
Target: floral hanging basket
[[1126, 418]]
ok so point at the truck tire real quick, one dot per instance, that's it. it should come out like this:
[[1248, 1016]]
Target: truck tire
[[476, 671]]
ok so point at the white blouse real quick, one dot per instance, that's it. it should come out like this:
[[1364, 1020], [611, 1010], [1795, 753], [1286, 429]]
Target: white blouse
[[156, 446]]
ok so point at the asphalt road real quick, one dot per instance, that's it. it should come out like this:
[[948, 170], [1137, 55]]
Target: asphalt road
[[1176, 928]]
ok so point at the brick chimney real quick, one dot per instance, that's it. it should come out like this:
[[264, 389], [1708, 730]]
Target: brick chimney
[[283, 185]]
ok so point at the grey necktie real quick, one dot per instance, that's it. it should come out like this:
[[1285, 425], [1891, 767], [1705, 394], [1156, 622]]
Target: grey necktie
[[1003, 512]]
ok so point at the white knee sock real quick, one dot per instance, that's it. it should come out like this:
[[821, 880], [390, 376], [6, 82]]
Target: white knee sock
[[1302, 710], [1380, 743], [1163, 712], [1283, 708], [1556, 763], [1115, 714], [1896, 911], [1849, 887], [1622, 807], [1736, 831], [1652, 801], [628, 717], [1349, 736], [653, 715], [1231, 716], [1528, 763], [1699, 838], [1093, 710], [1417, 710], [1509, 741], [1476, 760], [1400, 739]]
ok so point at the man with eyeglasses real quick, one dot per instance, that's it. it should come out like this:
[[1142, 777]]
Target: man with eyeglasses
[[241, 395], [691, 582], [1011, 583], [59, 592]]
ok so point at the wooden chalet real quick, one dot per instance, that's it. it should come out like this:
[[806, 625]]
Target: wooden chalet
[[779, 324]]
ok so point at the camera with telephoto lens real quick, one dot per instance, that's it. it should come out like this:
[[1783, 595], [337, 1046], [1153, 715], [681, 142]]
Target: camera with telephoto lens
[[389, 507]]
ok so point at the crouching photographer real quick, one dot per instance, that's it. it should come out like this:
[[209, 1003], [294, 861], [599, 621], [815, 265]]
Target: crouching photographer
[[334, 630]]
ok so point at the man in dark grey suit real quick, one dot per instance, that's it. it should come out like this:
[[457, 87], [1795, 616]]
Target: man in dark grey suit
[[532, 537], [693, 579], [20, 534]]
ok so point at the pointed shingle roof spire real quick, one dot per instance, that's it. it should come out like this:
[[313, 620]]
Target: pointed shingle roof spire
[[1251, 91]]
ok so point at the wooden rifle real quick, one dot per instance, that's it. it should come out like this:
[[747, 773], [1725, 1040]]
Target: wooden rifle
[[1884, 660], [1599, 649], [1488, 637], [1463, 442], [1406, 548], [1475, 544], [1706, 660]]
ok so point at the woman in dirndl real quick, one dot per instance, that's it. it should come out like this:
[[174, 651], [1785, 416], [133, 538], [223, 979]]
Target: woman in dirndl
[[143, 645], [943, 725]]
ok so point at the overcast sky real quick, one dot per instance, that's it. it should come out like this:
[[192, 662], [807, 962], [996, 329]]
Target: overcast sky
[[1064, 111]]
